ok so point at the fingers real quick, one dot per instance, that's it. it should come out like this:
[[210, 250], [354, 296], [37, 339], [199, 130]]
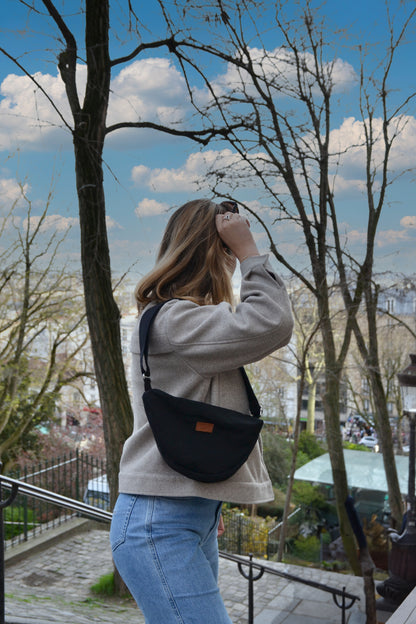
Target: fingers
[[234, 230], [230, 220]]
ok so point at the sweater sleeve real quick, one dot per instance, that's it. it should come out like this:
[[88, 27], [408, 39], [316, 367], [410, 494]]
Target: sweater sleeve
[[215, 338]]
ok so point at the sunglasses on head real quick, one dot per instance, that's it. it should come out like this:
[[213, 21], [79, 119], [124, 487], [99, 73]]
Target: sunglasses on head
[[228, 206]]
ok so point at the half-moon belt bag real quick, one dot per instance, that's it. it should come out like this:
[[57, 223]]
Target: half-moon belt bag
[[201, 441]]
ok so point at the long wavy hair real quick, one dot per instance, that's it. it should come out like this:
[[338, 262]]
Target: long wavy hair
[[192, 262]]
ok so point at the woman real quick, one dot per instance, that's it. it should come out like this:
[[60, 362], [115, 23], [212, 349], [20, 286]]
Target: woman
[[164, 529]]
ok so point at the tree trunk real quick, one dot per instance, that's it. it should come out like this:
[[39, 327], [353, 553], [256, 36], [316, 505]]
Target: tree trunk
[[102, 311], [334, 440], [333, 370], [370, 355], [387, 449], [103, 314], [310, 423]]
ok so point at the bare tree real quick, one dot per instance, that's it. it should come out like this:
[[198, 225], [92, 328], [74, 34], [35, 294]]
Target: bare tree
[[375, 99], [42, 327], [286, 99]]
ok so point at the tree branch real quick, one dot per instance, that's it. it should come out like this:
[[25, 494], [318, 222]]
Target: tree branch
[[170, 43], [67, 58], [200, 136]]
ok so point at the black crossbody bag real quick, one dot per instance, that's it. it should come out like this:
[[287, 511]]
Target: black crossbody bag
[[201, 441]]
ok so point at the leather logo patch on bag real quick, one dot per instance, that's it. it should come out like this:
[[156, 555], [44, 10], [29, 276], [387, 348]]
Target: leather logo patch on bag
[[204, 427]]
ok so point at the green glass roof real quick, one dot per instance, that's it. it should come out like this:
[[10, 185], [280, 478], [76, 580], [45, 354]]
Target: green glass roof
[[364, 470]]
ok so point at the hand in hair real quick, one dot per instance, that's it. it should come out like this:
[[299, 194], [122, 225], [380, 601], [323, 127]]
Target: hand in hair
[[234, 231]]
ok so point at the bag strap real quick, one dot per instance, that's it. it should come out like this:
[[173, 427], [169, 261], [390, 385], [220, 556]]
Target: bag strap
[[144, 331]]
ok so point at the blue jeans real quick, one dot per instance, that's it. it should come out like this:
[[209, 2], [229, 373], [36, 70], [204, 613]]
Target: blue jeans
[[166, 551]]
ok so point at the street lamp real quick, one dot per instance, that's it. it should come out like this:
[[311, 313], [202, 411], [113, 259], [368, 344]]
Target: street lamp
[[402, 559]]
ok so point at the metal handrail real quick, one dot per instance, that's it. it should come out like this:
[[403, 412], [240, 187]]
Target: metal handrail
[[290, 577], [344, 600], [52, 497], [290, 516]]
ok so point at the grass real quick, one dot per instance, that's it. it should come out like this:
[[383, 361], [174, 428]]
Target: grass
[[104, 586]]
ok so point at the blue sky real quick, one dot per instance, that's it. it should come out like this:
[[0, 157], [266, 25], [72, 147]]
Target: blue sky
[[147, 173]]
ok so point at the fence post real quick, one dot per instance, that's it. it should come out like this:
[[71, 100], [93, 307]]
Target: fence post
[[2, 586], [3, 504], [25, 519], [77, 496], [25, 510], [251, 578]]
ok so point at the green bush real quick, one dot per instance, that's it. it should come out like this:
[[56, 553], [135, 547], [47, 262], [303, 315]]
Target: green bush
[[302, 459], [307, 548], [277, 456], [309, 445], [308, 495], [356, 447]]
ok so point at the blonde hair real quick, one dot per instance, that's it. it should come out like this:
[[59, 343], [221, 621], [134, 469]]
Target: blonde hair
[[192, 262]]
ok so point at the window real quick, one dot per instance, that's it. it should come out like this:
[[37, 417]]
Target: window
[[365, 385]]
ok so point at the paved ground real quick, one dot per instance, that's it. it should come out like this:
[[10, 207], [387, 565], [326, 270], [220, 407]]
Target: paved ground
[[53, 585]]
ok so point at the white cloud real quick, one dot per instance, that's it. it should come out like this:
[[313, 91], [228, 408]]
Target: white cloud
[[384, 238], [355, 237], [141, 175], [408, 222], [392, 237], [26, 116], [343, 186], [52, 222], [149, 88], [349, 141], [146, 90], [190, 177], [150, 207], [11, 191], [112, 224], [278, 68]]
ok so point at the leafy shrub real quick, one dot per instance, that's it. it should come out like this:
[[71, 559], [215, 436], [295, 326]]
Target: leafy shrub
[[309, 445], [302, 459], [308, 495], [356, 447], [307, 548], [277, 456]]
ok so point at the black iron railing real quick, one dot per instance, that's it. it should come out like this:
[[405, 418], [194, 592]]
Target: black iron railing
[[249, 569], [73, 475]]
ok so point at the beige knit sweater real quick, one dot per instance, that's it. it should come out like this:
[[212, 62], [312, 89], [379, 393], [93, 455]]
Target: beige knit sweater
[[195, 352]]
